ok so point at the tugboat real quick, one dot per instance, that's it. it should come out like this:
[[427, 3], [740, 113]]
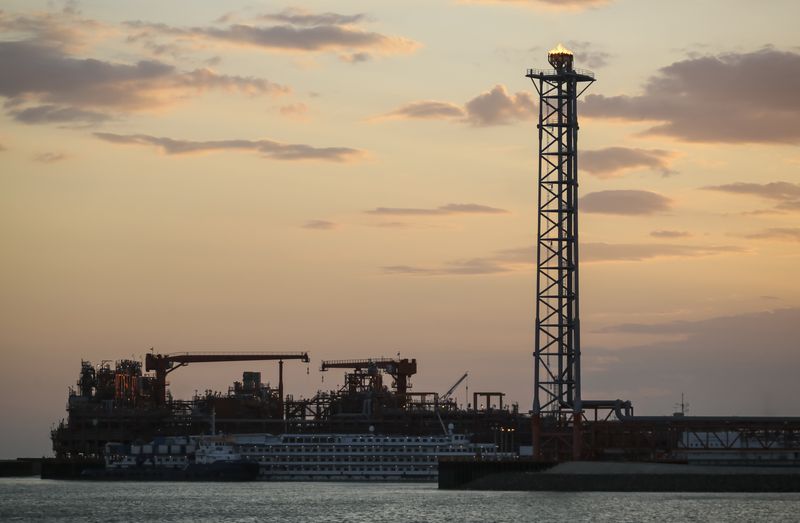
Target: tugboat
[[201, 458]]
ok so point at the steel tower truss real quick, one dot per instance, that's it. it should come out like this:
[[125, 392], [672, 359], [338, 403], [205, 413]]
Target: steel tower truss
[[557, 373]]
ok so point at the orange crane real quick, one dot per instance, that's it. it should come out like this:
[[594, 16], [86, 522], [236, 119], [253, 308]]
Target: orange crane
[[163, 364], [398, 369]]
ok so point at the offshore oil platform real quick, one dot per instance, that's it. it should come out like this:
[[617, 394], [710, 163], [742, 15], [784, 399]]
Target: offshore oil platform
[[125, 403]]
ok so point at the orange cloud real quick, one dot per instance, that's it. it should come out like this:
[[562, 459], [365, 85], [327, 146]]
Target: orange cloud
[[48, 85], [612, 162], [355, 58], [320, 225], [50, 157], [64, 29], [266, 148], [524, 258], [49, 113], [493, 107], [304, 17], [782, 191], [635, 252], [426, 110], [497, 107], [295, 110], [664, 233], [625, 202], [721, 99], [588, 54], [449, 209], [552, 5], [297, 33], [786, 193], [777, 233]]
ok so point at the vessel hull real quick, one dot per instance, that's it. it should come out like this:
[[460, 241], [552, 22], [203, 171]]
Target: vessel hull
[[224, 471]]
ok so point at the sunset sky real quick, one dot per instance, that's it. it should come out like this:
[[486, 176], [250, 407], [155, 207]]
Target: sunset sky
[[358, 179]]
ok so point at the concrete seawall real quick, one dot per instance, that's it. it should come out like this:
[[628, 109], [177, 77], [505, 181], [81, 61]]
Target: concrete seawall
[[615, 477], [20, 467]]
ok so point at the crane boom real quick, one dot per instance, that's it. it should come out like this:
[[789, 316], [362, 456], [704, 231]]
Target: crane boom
[[399, 369], [163, 364], [446, 395], [210, 357]]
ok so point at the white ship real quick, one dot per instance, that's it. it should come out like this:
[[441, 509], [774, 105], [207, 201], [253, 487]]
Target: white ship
[[296, 457], [356, 457]]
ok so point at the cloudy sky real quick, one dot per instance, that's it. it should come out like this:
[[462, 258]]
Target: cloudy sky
[[359, 180]]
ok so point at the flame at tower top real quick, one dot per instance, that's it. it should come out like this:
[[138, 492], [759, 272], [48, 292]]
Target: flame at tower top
[[560, 58]]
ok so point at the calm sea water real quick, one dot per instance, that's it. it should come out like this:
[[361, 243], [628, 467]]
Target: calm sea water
[[42, 500]]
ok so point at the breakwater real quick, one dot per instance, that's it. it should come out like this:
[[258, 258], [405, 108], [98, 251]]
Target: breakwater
[[614, 477]]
